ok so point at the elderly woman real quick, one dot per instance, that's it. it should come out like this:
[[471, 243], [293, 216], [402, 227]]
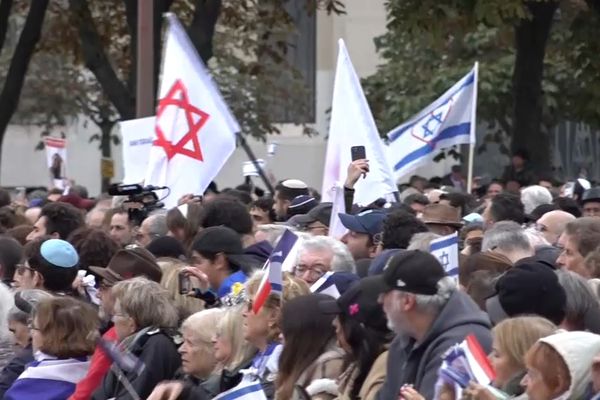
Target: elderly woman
[[145, 321], [63, 334], [231, 352], [197, 355]]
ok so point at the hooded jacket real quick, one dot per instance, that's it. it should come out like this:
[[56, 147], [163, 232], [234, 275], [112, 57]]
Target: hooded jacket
[[418, 363], [577, 349]]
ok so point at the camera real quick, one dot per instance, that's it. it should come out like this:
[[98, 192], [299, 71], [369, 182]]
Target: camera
[[140, 199]]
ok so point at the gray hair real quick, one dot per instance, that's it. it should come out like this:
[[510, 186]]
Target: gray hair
[[581, 300], [342, 259], [148, 303], [433, 304], [157, 225], [422, 241], [32, 296], [506, 236], [534, 196]]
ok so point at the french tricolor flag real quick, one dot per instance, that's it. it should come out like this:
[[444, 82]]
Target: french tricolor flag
[[272, 281]]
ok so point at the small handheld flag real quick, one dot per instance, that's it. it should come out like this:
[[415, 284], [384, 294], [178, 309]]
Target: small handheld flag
[[445, 249], [272, 281]]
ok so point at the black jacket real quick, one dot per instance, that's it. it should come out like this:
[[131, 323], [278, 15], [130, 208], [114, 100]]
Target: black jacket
[[157, 350], [14, 368], [209, 389], [418, 364]]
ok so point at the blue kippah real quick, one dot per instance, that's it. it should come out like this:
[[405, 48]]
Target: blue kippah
[[60, 253]]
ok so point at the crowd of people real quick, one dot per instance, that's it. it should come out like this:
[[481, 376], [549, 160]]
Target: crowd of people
[[98, 303]]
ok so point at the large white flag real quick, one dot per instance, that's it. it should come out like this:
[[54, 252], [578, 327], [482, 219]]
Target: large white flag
[[448, 121], [352, 124], [195, 131]]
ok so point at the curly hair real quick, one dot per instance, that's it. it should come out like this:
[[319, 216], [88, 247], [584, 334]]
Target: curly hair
[[94, 246], [61, 218]]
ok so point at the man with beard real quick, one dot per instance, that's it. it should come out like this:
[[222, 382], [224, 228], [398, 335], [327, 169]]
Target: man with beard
[[429, 315], [125, 264]]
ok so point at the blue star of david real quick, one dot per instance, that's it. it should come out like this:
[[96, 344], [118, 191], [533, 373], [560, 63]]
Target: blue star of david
[[445, 260], [437, 119]]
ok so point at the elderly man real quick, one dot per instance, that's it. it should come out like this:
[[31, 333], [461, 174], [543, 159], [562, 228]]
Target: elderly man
[[580, 238], [153, 227], [508, 239], [552, 224], [319, 255], [429, 315]]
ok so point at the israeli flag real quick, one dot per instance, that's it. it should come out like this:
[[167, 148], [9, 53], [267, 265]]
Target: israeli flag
[[448, 121], [445, 249], [246, 390]]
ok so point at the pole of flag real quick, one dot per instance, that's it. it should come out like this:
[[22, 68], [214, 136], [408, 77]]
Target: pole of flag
[[473, 131], [145, 60], [252, 158]]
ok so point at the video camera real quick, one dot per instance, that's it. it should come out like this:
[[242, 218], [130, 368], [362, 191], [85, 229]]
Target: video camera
[[141, 199]]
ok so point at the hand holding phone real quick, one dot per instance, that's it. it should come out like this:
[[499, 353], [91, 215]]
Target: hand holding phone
[[358, 153]]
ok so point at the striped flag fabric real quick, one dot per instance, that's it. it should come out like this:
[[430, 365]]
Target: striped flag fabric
[[272, 281], [250, 390], [445, 249]]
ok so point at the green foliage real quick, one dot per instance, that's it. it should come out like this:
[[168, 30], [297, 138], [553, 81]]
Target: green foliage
[[429, 45]]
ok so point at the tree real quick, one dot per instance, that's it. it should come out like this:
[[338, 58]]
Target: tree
[[15, 77], [528, 52]]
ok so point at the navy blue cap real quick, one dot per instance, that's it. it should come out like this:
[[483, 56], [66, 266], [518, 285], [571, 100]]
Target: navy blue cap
[[368, 221]]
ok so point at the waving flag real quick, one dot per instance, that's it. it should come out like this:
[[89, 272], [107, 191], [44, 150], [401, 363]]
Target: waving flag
[[272, 281], [448, 121], [352, 124], [445, 249], [251, 390], [195, 133]]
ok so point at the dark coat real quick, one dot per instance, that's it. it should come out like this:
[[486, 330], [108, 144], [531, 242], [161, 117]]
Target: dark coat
[[418, 364], [157, 350], [14, 368]]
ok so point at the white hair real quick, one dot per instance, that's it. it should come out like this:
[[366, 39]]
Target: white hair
[[505, 236], [342, 259], [534, 196], [422, 241], [435, 302]]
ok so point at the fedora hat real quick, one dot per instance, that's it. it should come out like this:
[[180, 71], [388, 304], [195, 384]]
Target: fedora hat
[[129, 263], [441, 214]]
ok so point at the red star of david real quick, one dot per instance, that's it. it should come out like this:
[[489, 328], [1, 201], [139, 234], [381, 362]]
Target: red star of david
[[178, 97]]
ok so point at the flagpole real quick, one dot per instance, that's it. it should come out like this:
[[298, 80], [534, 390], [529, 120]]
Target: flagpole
[[470, 171], [473, 128], [252, 158]]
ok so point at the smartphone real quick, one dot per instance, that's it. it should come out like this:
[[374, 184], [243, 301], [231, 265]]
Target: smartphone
[[358, 153], [185, 284]]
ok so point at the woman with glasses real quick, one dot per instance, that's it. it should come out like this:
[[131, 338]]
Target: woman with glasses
[[63, 334], [145, 321]]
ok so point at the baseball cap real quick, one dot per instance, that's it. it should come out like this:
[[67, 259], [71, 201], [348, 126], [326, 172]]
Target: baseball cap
[[320, 213], [359, 302], [128, 263], [412, 271], [368, 221], [530, 287], [221, 239], [60, 253]]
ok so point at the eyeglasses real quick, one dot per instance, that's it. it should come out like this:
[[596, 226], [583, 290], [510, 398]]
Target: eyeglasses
[[316, 271], [22, 268]]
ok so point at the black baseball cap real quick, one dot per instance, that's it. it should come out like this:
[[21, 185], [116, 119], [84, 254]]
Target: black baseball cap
[[221, 239], [359, 302], [412, 271], [530, 287], [321, 213]]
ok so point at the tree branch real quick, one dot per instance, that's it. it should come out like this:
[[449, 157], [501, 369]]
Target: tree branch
[[30, 36], [202, 28], [5, 7], [97, 61]]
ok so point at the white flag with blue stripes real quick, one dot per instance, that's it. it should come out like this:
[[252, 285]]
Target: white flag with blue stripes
[[448, 121], [445, 249], [246, 390]]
